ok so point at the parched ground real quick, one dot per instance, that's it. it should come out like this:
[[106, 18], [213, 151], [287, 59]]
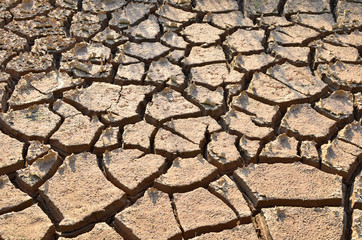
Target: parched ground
[[180, 119]]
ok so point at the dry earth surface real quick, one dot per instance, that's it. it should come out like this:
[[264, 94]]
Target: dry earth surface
[[181, 119]]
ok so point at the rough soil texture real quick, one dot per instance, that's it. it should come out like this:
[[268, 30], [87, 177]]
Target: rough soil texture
[[180, 119]]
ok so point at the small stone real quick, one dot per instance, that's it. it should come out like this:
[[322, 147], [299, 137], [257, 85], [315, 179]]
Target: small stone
[[171, 145], [199, 211], [186, 174], [130, 171], [300, 122], [155, 209], [30, 223], [339, 157], [282, 149], [240, 124], [34, 123], [12, 199], [108, 140], [222, 152], [301, 223], [226, 189], [73, 206], [169, 104], [294, 184]]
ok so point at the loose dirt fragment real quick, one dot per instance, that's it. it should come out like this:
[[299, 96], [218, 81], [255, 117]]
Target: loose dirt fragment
[[338, 106], [338, 75], [130, 74], [240, 124], [130, 171], [109, 140], [241, 232], [258, 7], [282, 149], [316, 6], [196, 215], [294, 184], [11, 42], [162, 73], [169, 104], [216, 5], [64, 109], [245, 41], [326, 53], [296, 55], [339, 157], [225, 189], [11, 154], [222, 152], [53, 44], [186, 174], [309, 153], [356, 224], [36, 150], [213, 76], [97, 6], [148, 29], [77, 133], [138, 136], [210, 102], [305, 223], [30, 223], [12, 199], [98, 232], [32, 177], [86, 25], [156, 214], [300, 122], [34, 123], [229, 20], [29, 9], [300, 79], [202, 56], [171, 145], [272, 91], [351, 133], [29, 62], [292, 35], [146, 51], [202, 33], [265, 115], [110, 38], [194, 129], [250, 149], [255, 62], [356, 196], [76, 206]]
